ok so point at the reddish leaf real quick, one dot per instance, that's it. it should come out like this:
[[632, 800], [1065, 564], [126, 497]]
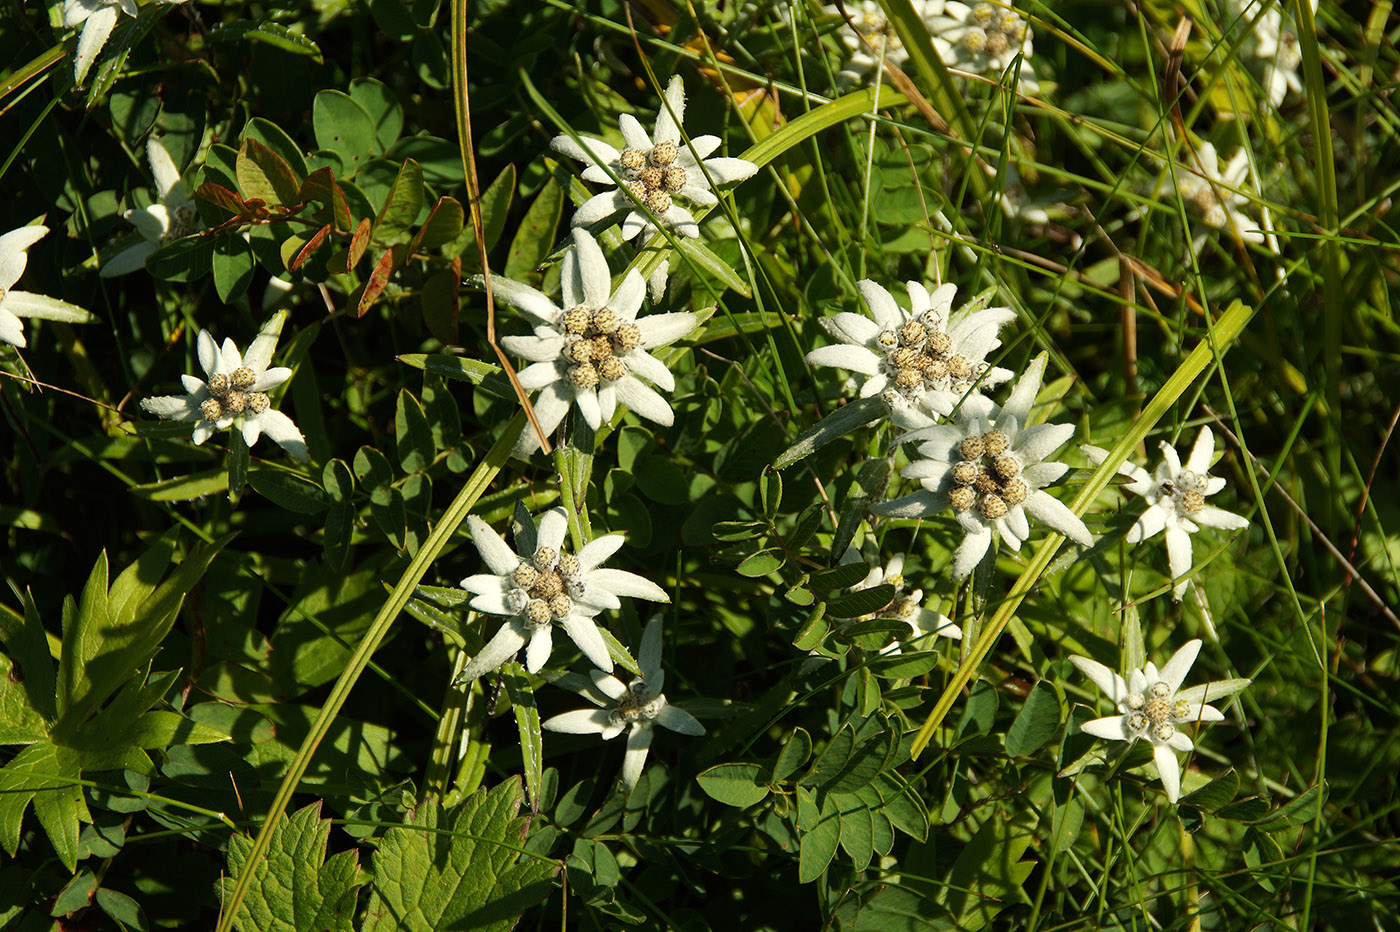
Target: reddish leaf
[[359, 242], [311, 246], [265, 174], [221, 197], [378, 280], [443, 225]]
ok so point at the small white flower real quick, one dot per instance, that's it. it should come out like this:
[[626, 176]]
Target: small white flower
[[1216, 193], [235, 393], [905, 607], [97, 17], [923, 361], [1273, 42], [984, 37], [170, 218], [16, 304], [990, 469], [657, 169], [870, 22], [635, 708], [1152, 704], [592, 351], [1176, 501], [1015, 202], [540, 584]]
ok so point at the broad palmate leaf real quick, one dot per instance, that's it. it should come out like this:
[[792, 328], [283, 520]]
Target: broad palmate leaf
[[446, 872]]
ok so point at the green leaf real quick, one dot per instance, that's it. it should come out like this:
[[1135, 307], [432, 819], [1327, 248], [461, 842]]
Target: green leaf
[[794, 754], [288, 490], [184, 488], [905, 665], [276, 139], [402, 204], [232, 264], [123, 910], [372, 469], [473, 875], [838, 423], [32, 685], [1301, 809], [989, 871], [535, 236], [183, 260], [339, 486], [344, 127], [444, 223], [495, 206], [48, 776], [527, 721], [1036, 723], [383, 108], [76, 895], [839, 577], [265, 175], [861, 602], [296, 888], [762, 563], [269, 33], [239, 459], [1215, 794], [412, 435], [858, 836], [738, 785], [483, 374], [863, 765], [818, 846], [712, 267]]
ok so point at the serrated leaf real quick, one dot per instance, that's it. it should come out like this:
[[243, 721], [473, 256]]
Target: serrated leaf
[[471, 876], [1036, 723], [48, 776], [736, 784], [295, 888], [838, 423]]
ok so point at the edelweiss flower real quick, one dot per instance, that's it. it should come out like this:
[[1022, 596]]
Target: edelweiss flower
[[635, 708], [16, 304], [592, 352], [1176, 501], [236, 393], [870, 21], [989, 469], [656, 169], [172, 217], [1215, 193], [923, 361], [1274, 42], [907, 608], [540, 584], [97, 17], [984, 37], [1152, 704]]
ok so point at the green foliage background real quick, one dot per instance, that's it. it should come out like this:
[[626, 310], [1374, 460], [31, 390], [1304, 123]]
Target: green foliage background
[[177, 616]]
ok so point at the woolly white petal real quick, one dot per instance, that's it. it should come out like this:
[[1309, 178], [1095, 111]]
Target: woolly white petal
[[524, 298], [538, 375], [679, 720], [176, 407], [621, 582], [600, 207], [1202, 452], [1042, 474], [883, 309], [592, 270], [208, 352], [1175, 669], [644, 401], [1108, 682], [842, 356], [270, 378], [665, 329], [636, 757], [493, 548], [1110, 728], [855, 329], [671, 114], [1036, 443], [585, 149], [1179, 559], [535, 349], [163, 168], [597, 551], [280, 428], [579, 722], [915, 505], [628, 298], [728, 170], [129, 260], [970, 552], [551, 529], [1169, 770], [540, 647], [587, 401], [1023, 395], [1053, 513], [1210, 516], [585, 634], [505, 645], [96, 28], [644, 365], [11, 331]]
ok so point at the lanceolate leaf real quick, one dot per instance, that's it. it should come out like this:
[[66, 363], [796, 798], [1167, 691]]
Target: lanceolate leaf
[[527, 720], [464, 872], [838, 423]]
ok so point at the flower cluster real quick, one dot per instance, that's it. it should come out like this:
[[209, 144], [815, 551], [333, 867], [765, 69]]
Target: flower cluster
[[1216, 193], [984, 38]]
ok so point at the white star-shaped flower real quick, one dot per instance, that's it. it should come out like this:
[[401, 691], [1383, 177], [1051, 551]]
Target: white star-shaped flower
[[870, 21], [170, 218], [98, 18], [905, 607], [658, 169], [1216, 194], [984, 37], [592, 351], [15, 304], [1151, 704], [635, 708], [922, 361], [1274, 42], [1176, 501], [235, 393], [990, 469], [539, 584]]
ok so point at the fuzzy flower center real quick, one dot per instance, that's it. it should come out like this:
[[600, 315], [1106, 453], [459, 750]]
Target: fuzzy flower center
[[637, 704], [184, 221], [546, 585], [652, 175], [919, 356], [231, 394], [993, 30], [596, 342], [1187, 494], [1155, 714], [987, 476]]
